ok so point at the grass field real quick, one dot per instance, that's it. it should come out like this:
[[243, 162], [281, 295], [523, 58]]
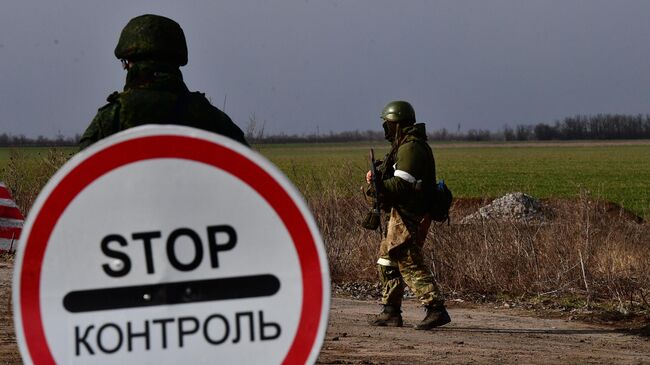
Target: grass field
[[617, 172], [583, 256], [585, 253], [612, 171]]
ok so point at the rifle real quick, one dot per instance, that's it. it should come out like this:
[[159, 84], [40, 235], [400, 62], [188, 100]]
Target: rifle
[[373, 219]]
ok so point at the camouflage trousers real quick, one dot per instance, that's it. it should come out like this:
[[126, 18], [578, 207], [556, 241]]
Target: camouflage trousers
[[401, 263]]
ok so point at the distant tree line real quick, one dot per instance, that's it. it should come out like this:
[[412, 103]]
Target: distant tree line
[[579, 127], [349, 136], [7, 140], [600, 126]]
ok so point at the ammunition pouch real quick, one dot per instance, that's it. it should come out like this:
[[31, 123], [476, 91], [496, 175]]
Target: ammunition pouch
[[371, 221]]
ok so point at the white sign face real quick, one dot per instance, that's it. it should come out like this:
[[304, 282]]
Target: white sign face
[[170, 245]]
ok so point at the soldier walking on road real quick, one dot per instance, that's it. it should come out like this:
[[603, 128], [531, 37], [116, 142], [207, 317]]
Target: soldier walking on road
[[152, 48], [405, 175]]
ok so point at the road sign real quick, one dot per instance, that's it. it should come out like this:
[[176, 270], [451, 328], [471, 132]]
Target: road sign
[[11, 220], [170, 245]]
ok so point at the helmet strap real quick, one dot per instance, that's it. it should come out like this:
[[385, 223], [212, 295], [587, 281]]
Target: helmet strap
[[398, 134], [393, 134]]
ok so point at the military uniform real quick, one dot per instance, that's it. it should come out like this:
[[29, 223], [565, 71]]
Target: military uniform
[[408, 174], [155, 92], [400, 255]]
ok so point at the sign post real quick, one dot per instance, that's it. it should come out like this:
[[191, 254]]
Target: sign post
[[169, 245]]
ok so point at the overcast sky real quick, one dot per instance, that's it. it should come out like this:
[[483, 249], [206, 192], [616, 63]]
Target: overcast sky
[[303, 66]]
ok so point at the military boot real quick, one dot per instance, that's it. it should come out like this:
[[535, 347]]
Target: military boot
[[436, 316], [390, 316]]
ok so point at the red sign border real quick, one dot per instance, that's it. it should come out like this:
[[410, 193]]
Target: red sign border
[[182, 147]]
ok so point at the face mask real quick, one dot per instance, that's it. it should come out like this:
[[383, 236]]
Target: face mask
[[389, 133]]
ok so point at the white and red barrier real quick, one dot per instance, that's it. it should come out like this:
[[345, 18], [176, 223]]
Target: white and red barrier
[[11, 220]]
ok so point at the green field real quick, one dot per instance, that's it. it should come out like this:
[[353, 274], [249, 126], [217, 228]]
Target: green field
[[617, 172]]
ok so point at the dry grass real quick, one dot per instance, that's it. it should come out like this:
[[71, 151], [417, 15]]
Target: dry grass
[[26, 174], [581, 251], [588, 250]]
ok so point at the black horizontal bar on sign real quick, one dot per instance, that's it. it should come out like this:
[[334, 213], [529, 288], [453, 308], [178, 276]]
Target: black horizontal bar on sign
[[239, 287]]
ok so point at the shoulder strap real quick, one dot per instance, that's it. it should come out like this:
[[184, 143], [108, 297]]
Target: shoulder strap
[[110, 123], [114, 99]]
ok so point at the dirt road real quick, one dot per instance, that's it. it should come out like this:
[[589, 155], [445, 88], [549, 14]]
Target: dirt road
[[476, 336]]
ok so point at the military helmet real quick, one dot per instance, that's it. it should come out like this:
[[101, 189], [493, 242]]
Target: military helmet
[[152, 37], [398, 111]]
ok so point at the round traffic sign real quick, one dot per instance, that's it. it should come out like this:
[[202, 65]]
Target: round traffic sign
[[166, 244]]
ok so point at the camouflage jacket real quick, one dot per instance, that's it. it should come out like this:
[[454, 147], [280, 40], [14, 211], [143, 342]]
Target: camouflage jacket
[[156, 94], [410, 173]]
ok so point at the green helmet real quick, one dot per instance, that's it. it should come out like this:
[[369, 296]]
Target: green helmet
[[152, 37], [398, 112]]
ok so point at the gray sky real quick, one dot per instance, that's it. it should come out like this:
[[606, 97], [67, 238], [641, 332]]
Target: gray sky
[[332, 65]]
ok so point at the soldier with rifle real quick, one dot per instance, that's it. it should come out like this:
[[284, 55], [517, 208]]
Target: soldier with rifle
[[401, 184]]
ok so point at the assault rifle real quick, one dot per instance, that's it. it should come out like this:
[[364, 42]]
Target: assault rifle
[[376, 208]]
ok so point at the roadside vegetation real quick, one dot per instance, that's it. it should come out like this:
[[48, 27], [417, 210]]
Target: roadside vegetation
[[592, 253]]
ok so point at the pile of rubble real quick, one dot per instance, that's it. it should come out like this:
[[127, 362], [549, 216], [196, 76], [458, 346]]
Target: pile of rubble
[[517, 207]]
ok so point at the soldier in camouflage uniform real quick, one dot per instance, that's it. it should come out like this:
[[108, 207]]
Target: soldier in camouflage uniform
[[406, 173], [152, 48]]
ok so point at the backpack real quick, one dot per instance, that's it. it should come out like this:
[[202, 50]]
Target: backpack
[[440, 202]]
